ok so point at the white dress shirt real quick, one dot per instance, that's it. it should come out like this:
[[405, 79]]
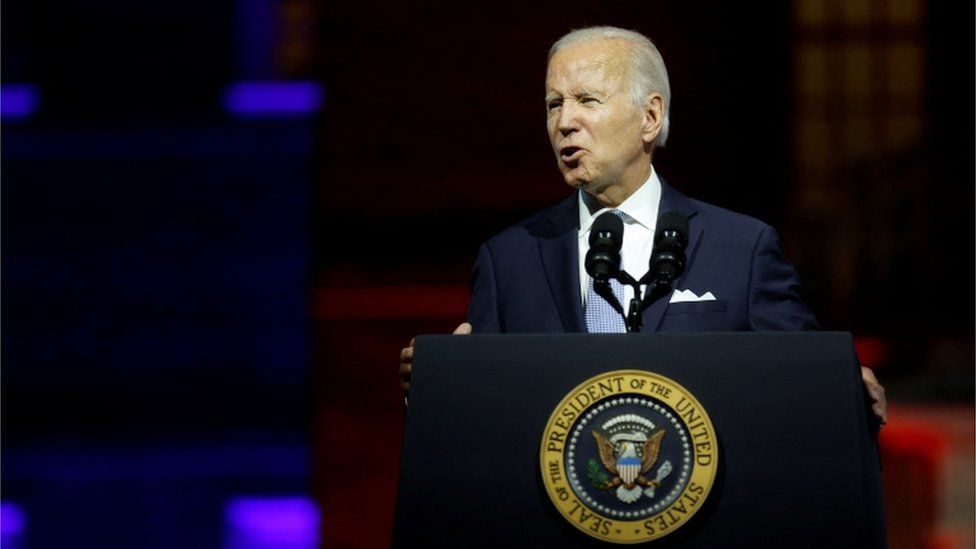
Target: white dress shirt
[[639, 217]]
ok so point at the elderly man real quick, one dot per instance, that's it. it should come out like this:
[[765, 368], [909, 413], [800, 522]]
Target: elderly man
[[607, 103]]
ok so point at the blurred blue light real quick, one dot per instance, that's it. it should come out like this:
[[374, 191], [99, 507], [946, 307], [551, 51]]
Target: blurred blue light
[[13, 523], [273, 99], [18, 101], [271, 523]]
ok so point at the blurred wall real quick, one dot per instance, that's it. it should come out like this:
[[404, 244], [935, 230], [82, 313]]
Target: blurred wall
[[155, 242]]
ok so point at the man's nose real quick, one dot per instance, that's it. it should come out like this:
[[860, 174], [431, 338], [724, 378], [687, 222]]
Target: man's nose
[[568, 119]]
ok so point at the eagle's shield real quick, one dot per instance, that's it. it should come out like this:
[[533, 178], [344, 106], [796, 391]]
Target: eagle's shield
[[629, 468]]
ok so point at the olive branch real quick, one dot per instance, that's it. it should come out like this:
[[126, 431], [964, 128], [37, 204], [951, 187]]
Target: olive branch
[[598, 477]]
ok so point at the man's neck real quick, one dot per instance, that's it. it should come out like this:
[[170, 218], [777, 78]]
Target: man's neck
[[614, 195]]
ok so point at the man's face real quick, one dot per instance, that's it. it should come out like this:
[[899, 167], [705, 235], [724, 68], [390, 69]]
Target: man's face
[[597, 133]]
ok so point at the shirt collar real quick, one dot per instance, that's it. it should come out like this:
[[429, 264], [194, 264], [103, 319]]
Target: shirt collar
[[640, 207]]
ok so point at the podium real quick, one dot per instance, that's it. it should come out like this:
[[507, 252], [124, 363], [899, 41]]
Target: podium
[[797, 461]]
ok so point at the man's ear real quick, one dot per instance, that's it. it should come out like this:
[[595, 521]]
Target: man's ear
[[653, 117]]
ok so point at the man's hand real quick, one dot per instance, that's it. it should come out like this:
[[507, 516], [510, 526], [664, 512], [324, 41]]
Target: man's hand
[[876, 393], [406, 356]]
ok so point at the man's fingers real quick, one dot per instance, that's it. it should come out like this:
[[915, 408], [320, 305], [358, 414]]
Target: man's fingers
[[406, 354], [867, 375], [463, 329], [405, 369], [879, 405], [879, 410], [406, 365], [871, 384]]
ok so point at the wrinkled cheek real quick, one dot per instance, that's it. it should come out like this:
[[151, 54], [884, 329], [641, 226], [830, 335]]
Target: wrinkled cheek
[[585, 167]]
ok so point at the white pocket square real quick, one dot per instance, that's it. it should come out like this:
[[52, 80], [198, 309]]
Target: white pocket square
[[683, 296]]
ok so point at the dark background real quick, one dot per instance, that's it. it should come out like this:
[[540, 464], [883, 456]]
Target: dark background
[[198, 306]]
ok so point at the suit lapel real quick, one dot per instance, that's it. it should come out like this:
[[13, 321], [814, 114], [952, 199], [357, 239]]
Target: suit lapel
[[559, 247], [672, 200]]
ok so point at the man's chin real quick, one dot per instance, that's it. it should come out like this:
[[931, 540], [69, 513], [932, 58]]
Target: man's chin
[[585, 185], [577, 180]]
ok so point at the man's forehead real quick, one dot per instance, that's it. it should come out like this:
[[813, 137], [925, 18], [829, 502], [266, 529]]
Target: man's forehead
[[593, 63], [595, 59], [585, 71]]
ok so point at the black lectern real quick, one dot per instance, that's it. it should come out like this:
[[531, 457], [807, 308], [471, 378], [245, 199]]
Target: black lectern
[[797, 463]]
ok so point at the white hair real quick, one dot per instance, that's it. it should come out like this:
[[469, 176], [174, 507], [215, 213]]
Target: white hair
[[647, 75]]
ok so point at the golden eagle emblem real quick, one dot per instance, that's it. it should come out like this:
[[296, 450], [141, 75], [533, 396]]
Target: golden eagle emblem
[[629, 449]]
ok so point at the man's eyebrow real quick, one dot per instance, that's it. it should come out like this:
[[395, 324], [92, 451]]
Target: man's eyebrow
[[585, 91], [580, 92]]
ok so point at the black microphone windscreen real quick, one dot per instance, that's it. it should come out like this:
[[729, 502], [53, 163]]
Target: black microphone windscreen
[[607, 222], [606, 236]]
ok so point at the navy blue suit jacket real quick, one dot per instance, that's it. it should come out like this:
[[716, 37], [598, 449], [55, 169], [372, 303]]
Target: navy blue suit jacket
[[526, 279]]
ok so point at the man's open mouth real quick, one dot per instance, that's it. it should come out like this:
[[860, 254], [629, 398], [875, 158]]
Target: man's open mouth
[[570, 154]]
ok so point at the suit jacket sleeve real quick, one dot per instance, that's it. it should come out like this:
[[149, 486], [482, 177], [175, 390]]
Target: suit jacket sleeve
[[775, 295], [483, 308]]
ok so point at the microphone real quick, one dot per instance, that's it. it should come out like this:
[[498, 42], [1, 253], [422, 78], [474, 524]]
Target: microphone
[[606, 236], [668, 254]]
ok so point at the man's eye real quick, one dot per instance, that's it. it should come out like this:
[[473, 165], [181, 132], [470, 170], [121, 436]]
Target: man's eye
[[553, 105], [588, 100]]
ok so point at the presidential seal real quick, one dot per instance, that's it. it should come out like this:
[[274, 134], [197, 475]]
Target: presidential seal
[[628, 456]]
